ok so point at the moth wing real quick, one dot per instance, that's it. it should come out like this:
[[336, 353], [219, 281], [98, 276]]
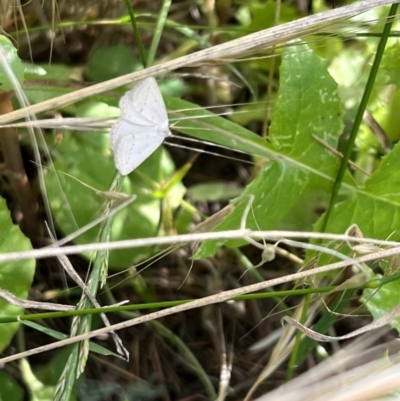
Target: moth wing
[[120, 129], [130, 151], [123, 127], [146, 100]]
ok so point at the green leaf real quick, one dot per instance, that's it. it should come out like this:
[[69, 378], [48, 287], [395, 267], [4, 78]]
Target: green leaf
[[15, 277], [111, 62], [9, 389], [376, 210], [391, 65], [308, 104], [47, 81], [263, 14], [11, 56], [382, 300], [50, 81]]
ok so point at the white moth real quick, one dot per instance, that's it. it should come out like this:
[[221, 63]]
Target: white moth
[[142, 127]]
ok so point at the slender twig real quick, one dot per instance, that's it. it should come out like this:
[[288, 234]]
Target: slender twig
[[184, 238]]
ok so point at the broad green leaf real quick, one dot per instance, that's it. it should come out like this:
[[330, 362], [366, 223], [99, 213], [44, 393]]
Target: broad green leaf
[[308, 104], [11, 56], [376, 210], [111, 62], [48, 81], [9, 389], [15, 277], [382, 300], [301, 218], [263, 14], [57, 73], [391, 64]]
